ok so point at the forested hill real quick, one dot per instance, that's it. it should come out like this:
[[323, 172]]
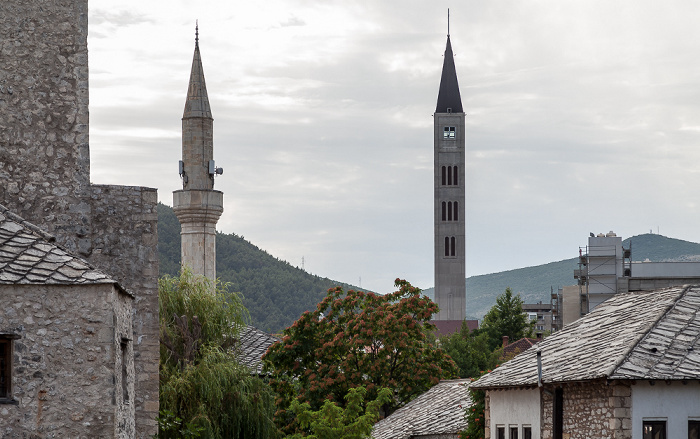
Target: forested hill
[[275, 292], [534, 283]]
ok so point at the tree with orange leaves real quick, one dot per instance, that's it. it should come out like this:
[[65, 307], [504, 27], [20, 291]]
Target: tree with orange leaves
[[358, 339]]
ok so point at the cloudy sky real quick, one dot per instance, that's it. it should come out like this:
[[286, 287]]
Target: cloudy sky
[[581, 117]]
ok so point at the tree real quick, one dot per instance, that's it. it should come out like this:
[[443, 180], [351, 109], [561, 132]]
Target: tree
[[470, 351], [334, 422], [203, 389], [506, 317], [358, 339]]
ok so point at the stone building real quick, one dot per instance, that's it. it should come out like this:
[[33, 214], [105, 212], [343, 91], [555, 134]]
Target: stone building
[[629, 369], [66, 347], [45, 171], [198, 206], [449, 188]]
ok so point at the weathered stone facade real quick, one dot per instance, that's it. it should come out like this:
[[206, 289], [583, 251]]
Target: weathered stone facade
[[68, 361], [45, 169], [591, 409]]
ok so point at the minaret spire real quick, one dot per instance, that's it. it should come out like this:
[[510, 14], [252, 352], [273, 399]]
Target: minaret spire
[[196, 31], [198, 206]]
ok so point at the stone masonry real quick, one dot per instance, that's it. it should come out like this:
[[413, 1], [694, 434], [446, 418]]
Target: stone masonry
[[591, 409], [45, 169]]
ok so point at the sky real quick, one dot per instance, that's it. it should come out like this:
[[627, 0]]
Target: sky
[[581, 117]]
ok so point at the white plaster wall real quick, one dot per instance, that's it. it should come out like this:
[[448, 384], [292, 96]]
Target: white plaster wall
[[515, 407], [674, 402]]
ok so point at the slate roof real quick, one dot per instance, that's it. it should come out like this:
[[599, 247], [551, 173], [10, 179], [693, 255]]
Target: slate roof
[[519, 346], [29, 255], [439, 411], [637, 335], [254, 344]]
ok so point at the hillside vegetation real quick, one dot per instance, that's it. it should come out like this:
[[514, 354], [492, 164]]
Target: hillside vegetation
[[276, 293]]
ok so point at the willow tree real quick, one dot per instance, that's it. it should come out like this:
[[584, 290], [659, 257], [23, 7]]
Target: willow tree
[[204, 391]]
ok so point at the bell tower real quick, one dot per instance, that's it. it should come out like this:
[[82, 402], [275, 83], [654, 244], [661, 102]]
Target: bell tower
[[449, 225], [198, 206]]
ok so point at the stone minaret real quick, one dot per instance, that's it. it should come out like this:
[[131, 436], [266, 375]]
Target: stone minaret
[[198, 206], [450, 290]]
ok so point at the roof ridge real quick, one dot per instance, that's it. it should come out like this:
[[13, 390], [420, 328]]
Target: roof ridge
[[33, 227], [644, 334]]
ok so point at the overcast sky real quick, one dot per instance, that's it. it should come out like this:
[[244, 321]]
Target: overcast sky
[[581, 117]]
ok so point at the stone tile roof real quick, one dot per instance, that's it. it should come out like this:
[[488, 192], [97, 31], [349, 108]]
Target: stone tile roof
[[254, 344], [439, 411], [636, 335], [519, 346], [28, 255]]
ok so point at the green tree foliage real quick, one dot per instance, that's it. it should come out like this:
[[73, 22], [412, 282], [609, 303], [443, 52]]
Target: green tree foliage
[[275, 292], [506, 317], [470, 351], [334, 422], [203, 389], [358, 339], [476, 421]]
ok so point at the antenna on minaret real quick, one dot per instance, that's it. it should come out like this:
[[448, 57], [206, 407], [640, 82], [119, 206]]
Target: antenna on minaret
[[196, 31], [448, 22]]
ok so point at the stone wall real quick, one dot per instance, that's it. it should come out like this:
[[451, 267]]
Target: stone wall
[[591, 409], [45, 168], [64, 379]]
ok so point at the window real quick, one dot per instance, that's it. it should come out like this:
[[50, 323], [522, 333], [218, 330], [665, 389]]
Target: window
[[527, 432], [454, 171], [449, 176], [6, 367], [654, 430], [455, 205], [444, 175], [448, 133], [513, 433], [500, 433], [449, 211], [444, 211], [125, 371], [449, 246], [694, 429]]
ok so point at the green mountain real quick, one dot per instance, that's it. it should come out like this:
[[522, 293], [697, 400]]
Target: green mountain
[[274, 292], [535, 283]]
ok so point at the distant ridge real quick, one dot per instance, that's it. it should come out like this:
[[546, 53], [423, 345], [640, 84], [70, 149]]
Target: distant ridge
[[533, 283], [275, 292]]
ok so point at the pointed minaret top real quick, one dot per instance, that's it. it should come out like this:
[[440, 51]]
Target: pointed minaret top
[[197, 104], [449, 99]]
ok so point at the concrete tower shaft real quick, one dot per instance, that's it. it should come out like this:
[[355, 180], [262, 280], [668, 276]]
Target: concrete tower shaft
[[449, 185]]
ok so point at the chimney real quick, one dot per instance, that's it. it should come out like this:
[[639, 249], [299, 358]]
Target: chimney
[[505, 340]]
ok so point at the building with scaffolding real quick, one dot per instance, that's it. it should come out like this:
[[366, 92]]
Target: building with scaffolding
[[605, 268]]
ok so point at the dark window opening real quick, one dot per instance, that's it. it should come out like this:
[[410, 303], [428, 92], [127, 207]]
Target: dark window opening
[[449, 211], [653, 429], [500, 433], [447, 246], [449, 175], [456, 209], [527, 432], [444, 175], [452, 246], [448, 133], [444, 211], [694, 429], [125, 371], [6, 341], [455, 172], [558, 419], [513, 433]]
